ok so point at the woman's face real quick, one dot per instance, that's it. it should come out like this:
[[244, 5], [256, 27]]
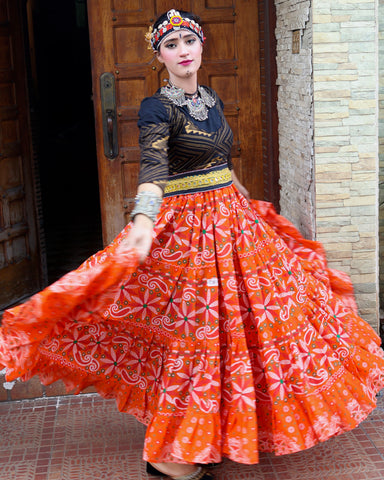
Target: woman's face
[[181, 54]]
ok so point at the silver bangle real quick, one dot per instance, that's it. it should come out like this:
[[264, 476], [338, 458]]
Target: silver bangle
[[147, 203]]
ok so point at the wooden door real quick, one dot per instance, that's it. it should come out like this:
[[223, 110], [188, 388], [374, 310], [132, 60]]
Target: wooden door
[[230, 65], [19, 253]]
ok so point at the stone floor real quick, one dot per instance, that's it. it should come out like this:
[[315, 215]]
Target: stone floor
[[85, 438]]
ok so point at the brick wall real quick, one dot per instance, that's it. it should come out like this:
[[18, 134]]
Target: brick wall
[[32, 389], [295, 110], [346, 141], [328, 132]]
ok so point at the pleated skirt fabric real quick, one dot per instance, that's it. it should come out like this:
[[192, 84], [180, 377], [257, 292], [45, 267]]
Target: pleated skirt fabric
[[232, 338]]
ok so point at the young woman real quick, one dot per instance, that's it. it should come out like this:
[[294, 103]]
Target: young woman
[[228, 335]]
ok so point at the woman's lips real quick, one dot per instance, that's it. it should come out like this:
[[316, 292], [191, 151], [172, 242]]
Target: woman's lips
[[185, 62]]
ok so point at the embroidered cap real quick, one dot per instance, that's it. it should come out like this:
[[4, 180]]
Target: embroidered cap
[[175, 21]]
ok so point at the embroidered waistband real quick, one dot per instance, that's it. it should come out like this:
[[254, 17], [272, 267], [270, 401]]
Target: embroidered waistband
[[198, 181]]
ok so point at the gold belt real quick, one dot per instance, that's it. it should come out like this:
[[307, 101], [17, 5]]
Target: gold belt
[[198, 181]]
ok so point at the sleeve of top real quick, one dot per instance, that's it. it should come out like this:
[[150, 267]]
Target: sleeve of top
[[229, 159], [153, 140]]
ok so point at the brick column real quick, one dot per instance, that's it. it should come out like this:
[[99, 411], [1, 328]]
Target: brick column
[[295, 110], [345, 78]]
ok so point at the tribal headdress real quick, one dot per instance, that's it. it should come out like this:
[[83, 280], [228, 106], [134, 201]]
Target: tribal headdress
[[174, 22]]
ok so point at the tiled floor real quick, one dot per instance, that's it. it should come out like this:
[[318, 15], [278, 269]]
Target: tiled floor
[[86, 438]]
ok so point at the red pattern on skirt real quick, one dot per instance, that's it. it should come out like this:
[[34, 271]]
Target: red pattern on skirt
[[233, 337]]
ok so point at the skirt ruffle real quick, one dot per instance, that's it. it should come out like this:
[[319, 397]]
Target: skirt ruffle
[[233, 337]]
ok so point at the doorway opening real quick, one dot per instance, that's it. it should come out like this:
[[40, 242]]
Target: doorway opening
[[65, 146]]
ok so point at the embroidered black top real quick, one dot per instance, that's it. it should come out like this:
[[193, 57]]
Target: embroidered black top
[[172, 142]]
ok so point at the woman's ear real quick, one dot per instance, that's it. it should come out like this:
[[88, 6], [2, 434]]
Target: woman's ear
[[158, 56]]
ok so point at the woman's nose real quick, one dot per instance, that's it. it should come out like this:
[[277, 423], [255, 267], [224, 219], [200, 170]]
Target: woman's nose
[[183, 49]]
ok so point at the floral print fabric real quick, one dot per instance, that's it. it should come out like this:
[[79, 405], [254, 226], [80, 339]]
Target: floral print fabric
[[233, 337]]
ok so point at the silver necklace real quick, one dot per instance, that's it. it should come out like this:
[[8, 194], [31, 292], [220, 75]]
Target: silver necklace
[[197, 103]]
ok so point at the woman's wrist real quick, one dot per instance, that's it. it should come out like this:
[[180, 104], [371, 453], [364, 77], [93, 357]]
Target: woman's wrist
[[142, 220]]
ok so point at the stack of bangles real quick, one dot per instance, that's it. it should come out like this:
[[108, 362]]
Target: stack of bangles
[[147, 203]]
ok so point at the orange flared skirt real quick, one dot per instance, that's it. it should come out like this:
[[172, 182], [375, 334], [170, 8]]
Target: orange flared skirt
[[233, 337]]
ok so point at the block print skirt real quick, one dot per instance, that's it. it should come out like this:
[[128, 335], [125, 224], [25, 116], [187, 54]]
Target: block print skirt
[[233, 337]]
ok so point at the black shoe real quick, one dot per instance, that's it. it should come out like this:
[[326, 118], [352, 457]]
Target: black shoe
[[207, 476], [153, 471]]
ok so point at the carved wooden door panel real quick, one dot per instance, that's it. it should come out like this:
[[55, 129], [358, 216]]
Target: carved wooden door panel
[[19, 253], [230, 66]]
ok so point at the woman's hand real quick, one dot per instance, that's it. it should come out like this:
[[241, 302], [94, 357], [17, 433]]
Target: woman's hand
[[239, 186], [140, 236]]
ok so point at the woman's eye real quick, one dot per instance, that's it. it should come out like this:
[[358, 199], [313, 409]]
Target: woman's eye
[[170, 45], [191, 40]]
